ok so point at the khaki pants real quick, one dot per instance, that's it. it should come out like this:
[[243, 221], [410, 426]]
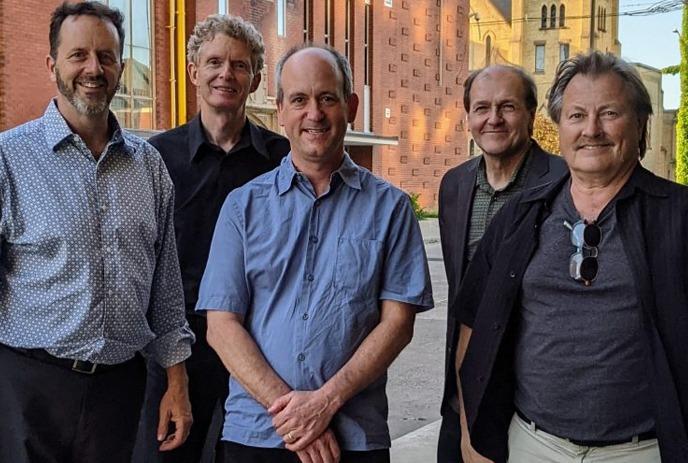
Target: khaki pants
[[530, 445]]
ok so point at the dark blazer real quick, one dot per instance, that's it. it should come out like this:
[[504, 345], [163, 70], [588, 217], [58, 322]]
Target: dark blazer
[[455, 201]]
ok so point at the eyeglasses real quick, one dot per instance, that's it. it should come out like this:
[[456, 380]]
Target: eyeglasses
[[583, 263]]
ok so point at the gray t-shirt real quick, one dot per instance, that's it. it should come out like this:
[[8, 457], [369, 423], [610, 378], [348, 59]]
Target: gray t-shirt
[[580, 355]]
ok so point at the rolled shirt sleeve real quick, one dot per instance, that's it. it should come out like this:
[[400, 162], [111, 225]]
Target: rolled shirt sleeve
[[166, 315]]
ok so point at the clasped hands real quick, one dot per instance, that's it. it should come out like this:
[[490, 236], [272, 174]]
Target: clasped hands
[[302, 418]]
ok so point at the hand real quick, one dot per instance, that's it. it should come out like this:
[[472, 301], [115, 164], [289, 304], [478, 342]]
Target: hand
[[324, 449], [470, 455], [175, 410], [299, 417]]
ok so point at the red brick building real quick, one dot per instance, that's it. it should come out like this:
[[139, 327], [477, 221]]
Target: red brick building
[[409, 60]]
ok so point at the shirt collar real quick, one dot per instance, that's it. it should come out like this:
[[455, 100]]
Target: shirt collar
[[58, 131], [517, 177], [348, 171], [250, 136]]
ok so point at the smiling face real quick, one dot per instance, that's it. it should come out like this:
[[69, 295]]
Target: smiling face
[[313, 109], [223, 74], [599, 131], [87, 67], [498, 118]]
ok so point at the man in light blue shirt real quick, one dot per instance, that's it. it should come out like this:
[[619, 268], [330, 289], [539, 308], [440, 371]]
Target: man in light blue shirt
[[315, 274], [89, 275]]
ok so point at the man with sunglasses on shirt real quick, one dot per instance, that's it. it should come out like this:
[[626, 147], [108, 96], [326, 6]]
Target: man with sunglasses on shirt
[[574, 310]]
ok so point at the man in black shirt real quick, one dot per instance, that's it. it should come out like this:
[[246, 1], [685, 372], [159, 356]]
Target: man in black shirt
[[216, 152]]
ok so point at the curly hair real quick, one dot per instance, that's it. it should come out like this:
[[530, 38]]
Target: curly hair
[[232, 26]]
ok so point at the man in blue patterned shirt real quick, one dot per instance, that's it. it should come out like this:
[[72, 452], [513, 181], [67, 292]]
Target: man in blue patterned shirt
[[88, 267], [315, 274]]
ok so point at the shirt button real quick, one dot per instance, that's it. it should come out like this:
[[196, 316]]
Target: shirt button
[[314, 239], [305, 316], [301, 358], [512, 274], [310, 277]]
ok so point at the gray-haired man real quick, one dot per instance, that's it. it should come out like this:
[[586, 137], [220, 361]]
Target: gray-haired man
[[218, 151]]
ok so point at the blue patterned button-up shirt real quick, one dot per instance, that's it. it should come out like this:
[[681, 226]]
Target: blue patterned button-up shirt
[[308, 275], [88, 266]]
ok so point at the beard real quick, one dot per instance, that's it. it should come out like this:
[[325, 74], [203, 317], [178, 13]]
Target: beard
[[92, 107]]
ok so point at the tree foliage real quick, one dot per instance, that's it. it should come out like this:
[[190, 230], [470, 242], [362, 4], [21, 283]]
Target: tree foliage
[[672, 70], [545, 133], [682, 116]]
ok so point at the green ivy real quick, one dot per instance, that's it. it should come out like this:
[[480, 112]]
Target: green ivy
[[682, 116]]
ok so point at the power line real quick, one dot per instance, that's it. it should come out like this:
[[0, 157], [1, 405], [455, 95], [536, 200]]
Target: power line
[[655, 9]]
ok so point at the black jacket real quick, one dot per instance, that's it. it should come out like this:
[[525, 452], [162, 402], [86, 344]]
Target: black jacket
[[652, 214], [455, 202]]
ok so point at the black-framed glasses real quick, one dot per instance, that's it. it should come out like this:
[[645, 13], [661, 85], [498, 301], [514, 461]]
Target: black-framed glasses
[[583, 265]]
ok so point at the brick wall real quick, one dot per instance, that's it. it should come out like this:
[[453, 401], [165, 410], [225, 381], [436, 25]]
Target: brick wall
[[26, 87], [419, 61]]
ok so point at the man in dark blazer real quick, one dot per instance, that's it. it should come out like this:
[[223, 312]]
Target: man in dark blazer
[[500, 103]]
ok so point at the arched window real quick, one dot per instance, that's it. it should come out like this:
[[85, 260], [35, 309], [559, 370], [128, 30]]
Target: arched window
[[543, 19], [604, 20], [488, 51], [562, 16], [553, 17]]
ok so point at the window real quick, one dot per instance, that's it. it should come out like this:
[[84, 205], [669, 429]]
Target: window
[[543, 19], [367, 45], [388, 3], [222, 6], [540, 58], [329, 23], [488, 50], [604, 20], [133, 103], [281, 10], [471, 148], [562, 16], [307, 20], [553, 17], [563, 51], [348, 30]]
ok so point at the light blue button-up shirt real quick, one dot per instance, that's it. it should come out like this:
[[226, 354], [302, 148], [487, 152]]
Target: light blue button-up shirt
[[88, 265], [308, 275]]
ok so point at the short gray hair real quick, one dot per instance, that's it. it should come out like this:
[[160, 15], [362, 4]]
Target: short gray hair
[[232, 26], [342, 65], [597, 64]]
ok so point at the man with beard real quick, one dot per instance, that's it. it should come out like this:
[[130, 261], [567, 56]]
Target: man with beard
[[89, 275], [218, 151]]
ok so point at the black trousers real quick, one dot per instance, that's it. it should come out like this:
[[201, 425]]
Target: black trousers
[[449, 445], [208, 389], [51, 414], [237, 453]]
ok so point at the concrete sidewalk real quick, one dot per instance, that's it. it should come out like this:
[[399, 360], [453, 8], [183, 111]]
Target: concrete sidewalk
[[419, 446]]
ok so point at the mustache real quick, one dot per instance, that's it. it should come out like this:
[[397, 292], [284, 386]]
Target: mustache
[[92, 80]]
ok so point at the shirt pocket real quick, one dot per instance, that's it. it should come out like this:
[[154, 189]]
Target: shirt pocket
[[358, 271]]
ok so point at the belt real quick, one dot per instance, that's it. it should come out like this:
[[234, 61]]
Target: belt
[[79, 366], [652, 434]]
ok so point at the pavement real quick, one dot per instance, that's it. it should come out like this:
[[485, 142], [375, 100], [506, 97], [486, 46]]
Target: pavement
[[416, 378]]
